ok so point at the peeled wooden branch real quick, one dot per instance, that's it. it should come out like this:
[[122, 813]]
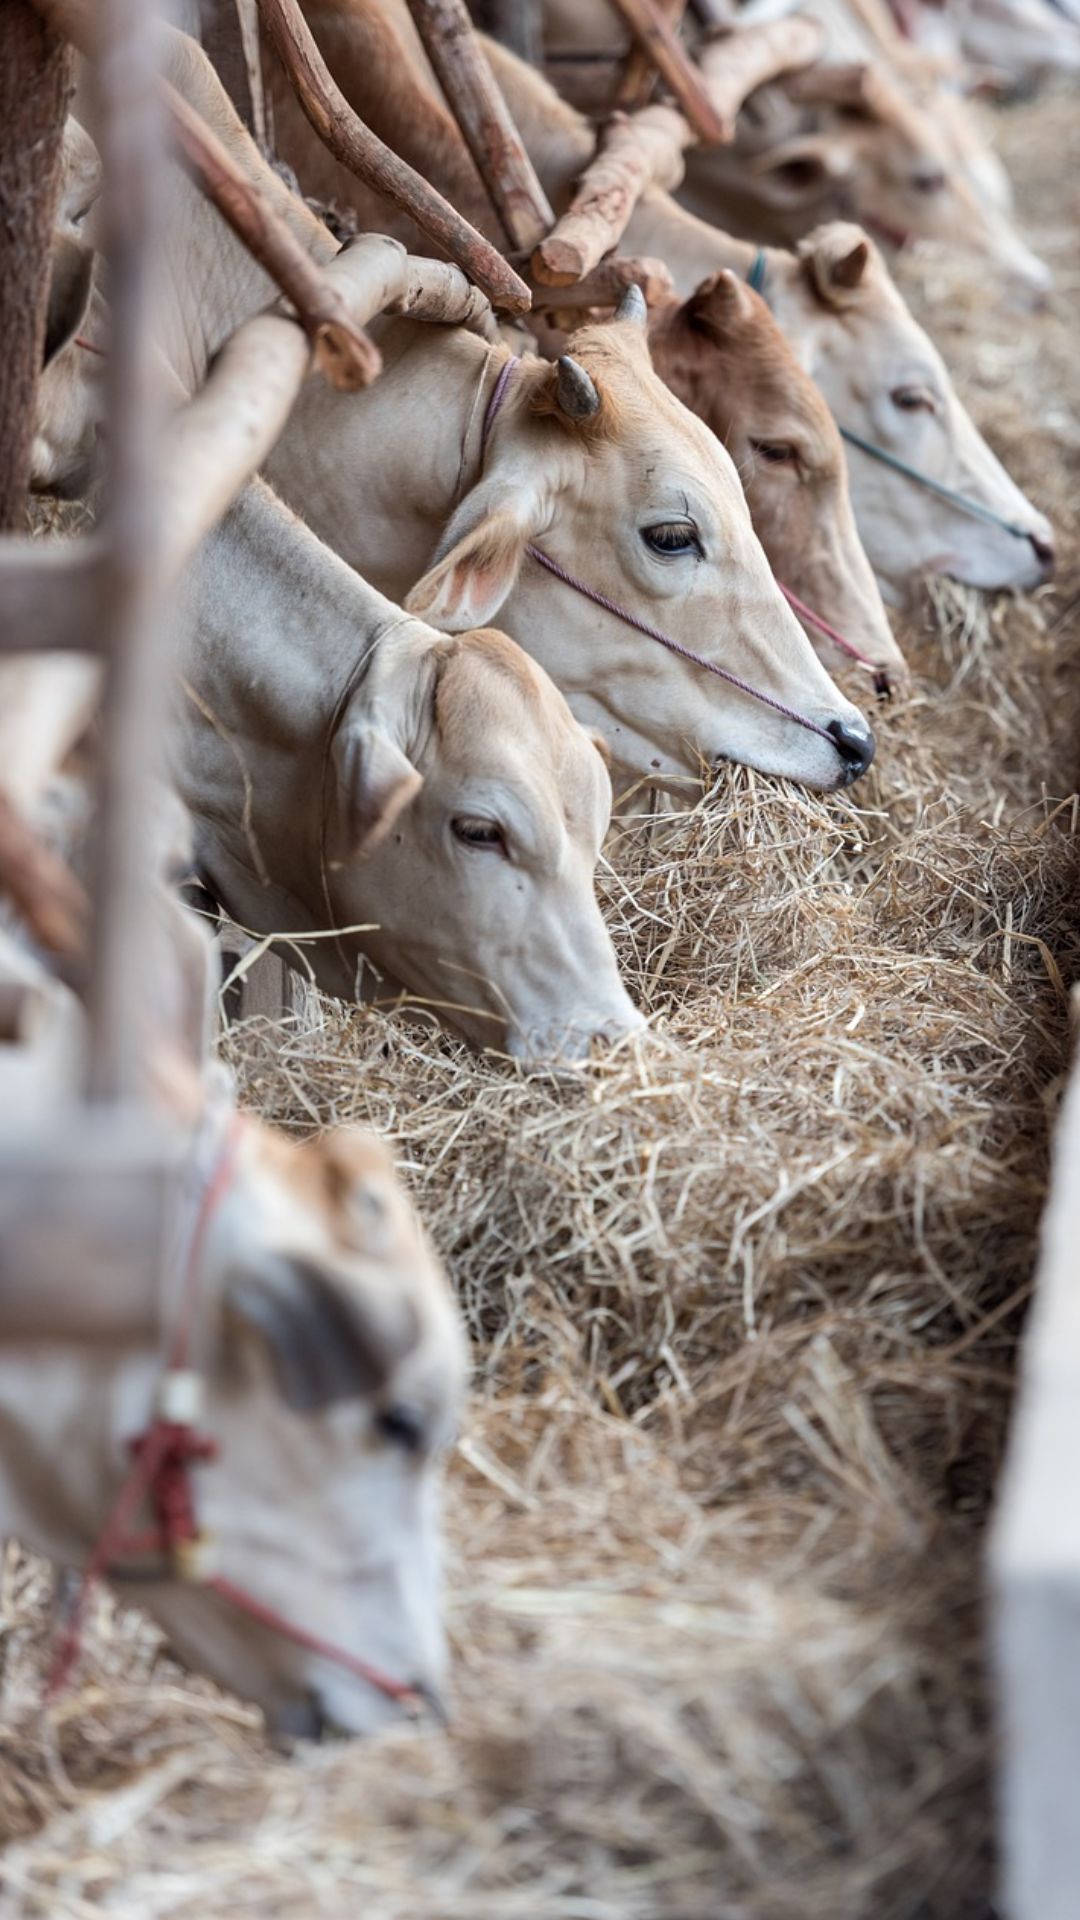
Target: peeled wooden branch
[[638, 77], [656, 36], [356, 147], [633, 152], [606, 284], [342, 349], [735, 64], [439, 292], [482, 114]]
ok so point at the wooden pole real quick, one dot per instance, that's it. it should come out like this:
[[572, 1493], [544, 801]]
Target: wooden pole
[[343, 351], [606, 284], [35, 81], [133, 160], [633, 152], [734, 65], [638, 77], [489, 132], [657, 38], [357, 148]]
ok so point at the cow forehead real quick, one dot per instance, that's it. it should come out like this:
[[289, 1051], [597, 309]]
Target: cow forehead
[[499, 718]]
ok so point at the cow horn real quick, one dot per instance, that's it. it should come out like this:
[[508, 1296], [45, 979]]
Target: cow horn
[[632, 306], [575, 391]]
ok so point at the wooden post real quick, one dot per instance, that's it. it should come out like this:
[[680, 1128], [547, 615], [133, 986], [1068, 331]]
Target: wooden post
[[734, 65], [484, 118], [657, 38], [133, 161], [230, 37], [35, 81], [357, 148], [637, 80]]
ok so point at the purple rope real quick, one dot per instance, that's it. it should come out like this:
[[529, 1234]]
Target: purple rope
[[621, 613], [498, 395], [675, 646]]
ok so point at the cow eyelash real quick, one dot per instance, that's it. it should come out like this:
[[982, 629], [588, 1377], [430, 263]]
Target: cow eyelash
[[485, 835], [775, 453], [913, 400], [671, 538]]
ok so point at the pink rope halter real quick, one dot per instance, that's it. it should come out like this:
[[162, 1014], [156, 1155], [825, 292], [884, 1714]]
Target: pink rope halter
[[498, 395]]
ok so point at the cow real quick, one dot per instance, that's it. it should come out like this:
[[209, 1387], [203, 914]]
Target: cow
[[725, 356], [595, 459], [329, 1350], [428, 801]]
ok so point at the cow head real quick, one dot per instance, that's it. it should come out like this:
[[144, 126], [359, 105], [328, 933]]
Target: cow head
[[334, 1371], [884, 379], [466, 817], [597, 463], [907, 179], [724, 355]]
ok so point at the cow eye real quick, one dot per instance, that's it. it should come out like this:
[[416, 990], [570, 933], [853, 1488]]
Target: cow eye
[[672, 537], [402, 1425], [483, 834], [775, 453], [913, 399], [930, 181]]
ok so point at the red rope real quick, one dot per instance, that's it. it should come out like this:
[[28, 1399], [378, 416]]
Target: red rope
[[268, 1617]]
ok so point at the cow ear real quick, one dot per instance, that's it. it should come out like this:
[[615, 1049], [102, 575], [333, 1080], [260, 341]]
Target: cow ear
[[375, 781], [69, 296], [323, 1340], [469, 584], [717, 304], [798, 172], [836, 260]]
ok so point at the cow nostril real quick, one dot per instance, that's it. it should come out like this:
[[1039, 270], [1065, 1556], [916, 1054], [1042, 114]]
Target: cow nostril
[[1044, 553], [855, 746]]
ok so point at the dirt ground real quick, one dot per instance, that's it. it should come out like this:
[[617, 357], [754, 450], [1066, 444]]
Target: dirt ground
[[745, 1308]]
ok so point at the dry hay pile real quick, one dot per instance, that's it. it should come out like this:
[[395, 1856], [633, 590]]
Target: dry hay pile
[[745, 1303]]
